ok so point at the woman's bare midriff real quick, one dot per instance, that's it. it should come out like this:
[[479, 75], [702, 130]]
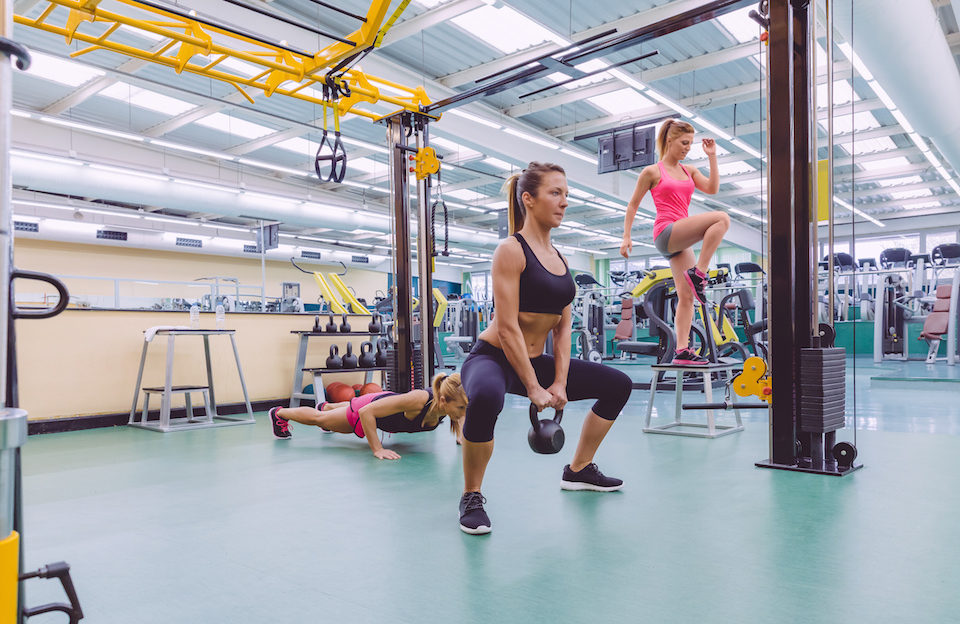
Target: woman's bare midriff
[[534, 326]]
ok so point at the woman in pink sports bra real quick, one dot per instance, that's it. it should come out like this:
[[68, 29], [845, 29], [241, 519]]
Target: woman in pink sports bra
[[675, 232], [411, 412]]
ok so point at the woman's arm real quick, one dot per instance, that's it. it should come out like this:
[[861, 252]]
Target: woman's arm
[[508, 264], [561, 358], [711, 185], [644, 183], [369, 413]]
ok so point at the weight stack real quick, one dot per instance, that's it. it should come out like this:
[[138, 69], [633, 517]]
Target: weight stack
[[393, 372], [823, 389]]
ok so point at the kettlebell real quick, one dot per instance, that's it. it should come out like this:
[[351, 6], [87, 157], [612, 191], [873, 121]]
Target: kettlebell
[[316, 325], [344, 326], [331, 327], [374, 327], [545, 435], [349, 359], [381, 357], [334, 360], [367, 357]]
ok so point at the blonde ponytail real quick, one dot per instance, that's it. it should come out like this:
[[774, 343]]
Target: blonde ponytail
[[516, 211], [450, 388]]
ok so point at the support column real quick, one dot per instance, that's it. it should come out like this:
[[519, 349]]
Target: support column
[[425, 265], [402, 275]]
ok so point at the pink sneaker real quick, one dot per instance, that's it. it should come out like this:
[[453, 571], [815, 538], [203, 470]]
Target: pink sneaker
[[281, 426]]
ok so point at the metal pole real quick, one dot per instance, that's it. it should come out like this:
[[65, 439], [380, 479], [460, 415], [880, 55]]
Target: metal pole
[[13, 434], [263, 271], [781, 282], [425, 263], [6, 184], [814, 192], [400, 217], [831, 280]]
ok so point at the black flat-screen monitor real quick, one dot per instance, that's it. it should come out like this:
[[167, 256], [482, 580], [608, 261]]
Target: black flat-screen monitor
[[627, 149]]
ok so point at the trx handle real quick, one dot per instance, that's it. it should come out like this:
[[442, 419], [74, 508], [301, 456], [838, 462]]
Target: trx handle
[[47, 312], [60, 571], [8, 48], [335, 162]]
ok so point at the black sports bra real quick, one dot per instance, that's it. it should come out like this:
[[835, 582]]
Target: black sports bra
[[540, 290]]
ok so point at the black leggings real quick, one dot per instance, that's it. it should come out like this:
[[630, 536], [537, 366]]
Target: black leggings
[[487, 377]]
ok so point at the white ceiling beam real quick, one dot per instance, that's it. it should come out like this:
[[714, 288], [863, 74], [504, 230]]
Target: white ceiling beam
[[622, 25], [437, 15]]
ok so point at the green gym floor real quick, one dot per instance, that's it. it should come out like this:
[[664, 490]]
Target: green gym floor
[[229, 525]]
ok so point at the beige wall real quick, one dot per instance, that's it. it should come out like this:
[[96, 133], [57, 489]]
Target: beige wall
[[85, 361], [60, 258]]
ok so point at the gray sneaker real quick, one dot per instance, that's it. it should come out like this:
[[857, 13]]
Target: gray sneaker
[[590, 478], [473, 519]]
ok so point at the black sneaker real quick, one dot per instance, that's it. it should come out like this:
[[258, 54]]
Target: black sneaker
[[473, 519], [696, 283], [281, 426], [686, 357], [589, 478]]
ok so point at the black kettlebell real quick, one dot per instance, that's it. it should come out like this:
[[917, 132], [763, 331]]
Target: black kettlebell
[[344, 326], [545, 435], [367, 357], [334, 360], [331, 327], [349, 359], [316, 325], [381, 358], [374, 327]]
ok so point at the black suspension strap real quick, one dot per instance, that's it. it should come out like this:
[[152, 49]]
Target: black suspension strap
[[332, 166]]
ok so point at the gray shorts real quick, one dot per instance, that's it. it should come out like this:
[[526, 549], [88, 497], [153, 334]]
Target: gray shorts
[[662, 242]]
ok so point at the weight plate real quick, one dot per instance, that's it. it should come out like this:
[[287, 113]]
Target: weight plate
[[827, 335], [594, 356]]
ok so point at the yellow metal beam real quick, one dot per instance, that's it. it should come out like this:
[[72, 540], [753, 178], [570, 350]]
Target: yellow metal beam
[[292, 74]]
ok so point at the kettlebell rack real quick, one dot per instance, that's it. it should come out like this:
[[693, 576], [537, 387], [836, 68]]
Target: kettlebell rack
[[297, 393]]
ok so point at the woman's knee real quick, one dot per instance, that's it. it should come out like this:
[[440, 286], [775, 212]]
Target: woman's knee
[[482, 412], [617, 388], [723, 219]]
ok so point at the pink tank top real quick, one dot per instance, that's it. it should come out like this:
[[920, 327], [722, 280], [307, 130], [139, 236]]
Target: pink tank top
[[672, 199]]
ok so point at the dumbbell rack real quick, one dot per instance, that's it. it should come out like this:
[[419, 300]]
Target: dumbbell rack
[[299, 369]]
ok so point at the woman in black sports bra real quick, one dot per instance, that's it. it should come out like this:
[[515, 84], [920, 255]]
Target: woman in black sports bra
[[533, 290]]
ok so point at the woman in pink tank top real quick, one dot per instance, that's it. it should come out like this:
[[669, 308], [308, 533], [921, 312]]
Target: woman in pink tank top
[[674, 231]]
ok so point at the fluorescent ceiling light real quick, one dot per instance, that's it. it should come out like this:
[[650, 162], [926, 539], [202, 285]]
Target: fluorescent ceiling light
[[739, 25], [504, 28], [734, 168], [497, 205], [143, 98], [208, 186], [846, 124], [869, 146], [575, 224], [230, 228], [857, 63], [696, 152], [717, 130], [358, 143], [60, 70], [356, 184], [146, 34], [234, 125], [531, 138], [915, 179], [299, 145], [56, 159], [271, 167], [190, 149], [569, 152], [590, 66], [754, 184], [473, 118], [499, 164], [914, 194], [622, 102], [366, 165], [130, 172], [467, 195], [842, 93], [463, 153], [926, 204], [886, 163], [66, 123], [579, 193]]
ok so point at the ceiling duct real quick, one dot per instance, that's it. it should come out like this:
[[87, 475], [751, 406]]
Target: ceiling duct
[[918, 73]]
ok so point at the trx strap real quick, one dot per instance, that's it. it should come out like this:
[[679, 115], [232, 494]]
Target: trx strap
[[336, 160], [389, 23]]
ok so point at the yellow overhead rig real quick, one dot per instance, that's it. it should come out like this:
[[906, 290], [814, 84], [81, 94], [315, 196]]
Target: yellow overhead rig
[[200, 46]]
